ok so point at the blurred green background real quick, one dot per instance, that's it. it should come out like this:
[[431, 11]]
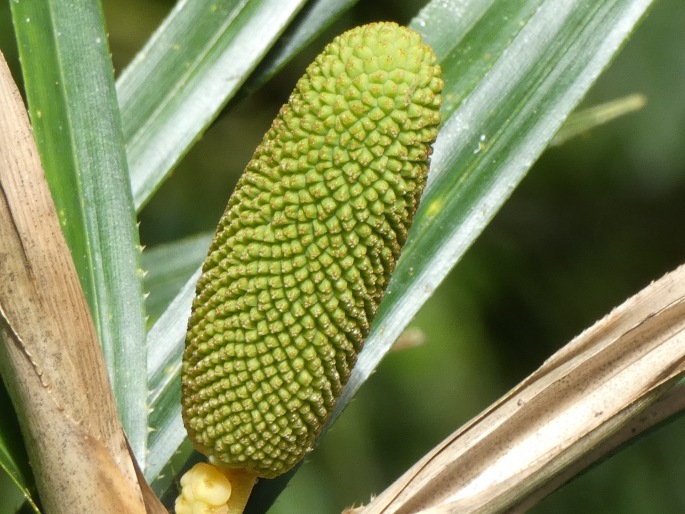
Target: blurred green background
[[594, 222]]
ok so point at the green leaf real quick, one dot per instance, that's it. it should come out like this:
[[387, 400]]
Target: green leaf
[[13, 458], [166, 342], [168, 266], [525, 65], [70, 89], [309, 23], [177, 84], [582, 121]]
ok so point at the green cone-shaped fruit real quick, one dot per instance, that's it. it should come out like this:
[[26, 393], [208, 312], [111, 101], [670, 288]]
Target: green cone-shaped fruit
[[306, 247]]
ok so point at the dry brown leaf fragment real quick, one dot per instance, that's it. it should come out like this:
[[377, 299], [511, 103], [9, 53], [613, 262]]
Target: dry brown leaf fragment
[[576, 401], [49, 355]]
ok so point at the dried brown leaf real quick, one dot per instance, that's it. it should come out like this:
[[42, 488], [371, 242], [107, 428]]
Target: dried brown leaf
[[49, 355], [578, 400]]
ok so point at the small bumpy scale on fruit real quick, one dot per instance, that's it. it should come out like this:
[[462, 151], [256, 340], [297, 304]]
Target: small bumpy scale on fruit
[[305, 249]]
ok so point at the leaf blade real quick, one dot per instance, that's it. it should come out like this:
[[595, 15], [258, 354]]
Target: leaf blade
[[166, 341], [465, 191], [168, 267], [165, 107], [312, 20], [13, 457]]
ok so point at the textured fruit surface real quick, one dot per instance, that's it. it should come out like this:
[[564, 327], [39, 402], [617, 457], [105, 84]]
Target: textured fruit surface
[[305, 249]]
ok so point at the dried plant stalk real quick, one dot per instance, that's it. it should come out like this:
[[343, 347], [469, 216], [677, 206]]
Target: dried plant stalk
[[49, 356], [581, 398]]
